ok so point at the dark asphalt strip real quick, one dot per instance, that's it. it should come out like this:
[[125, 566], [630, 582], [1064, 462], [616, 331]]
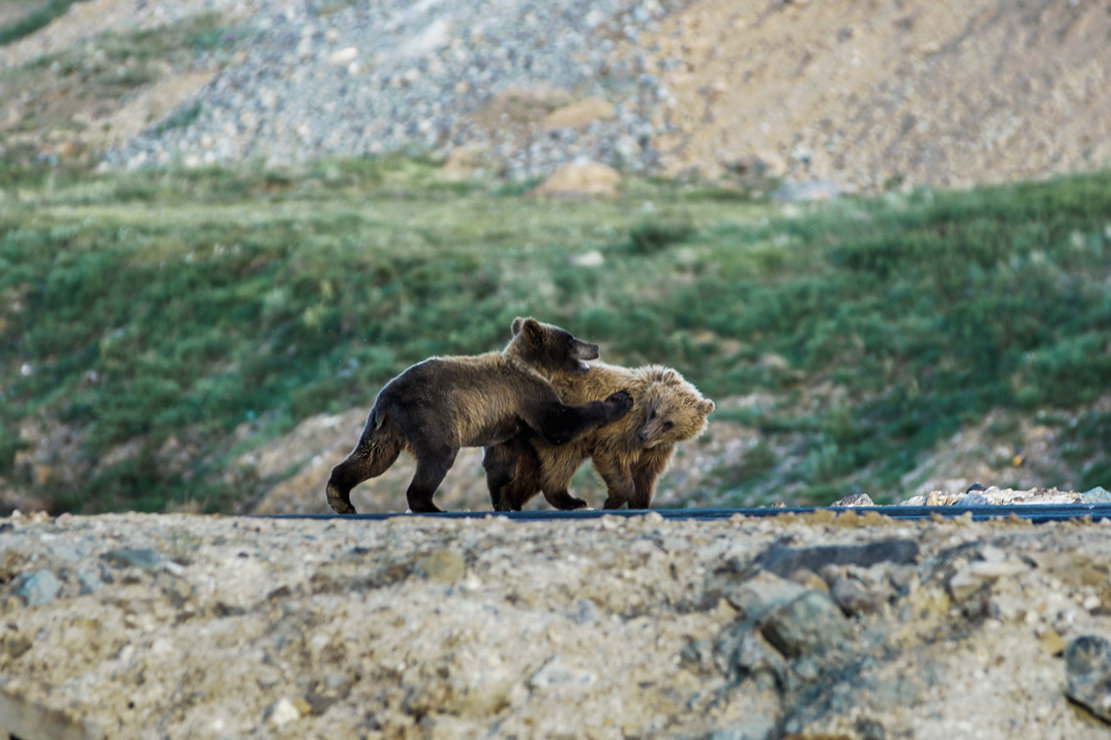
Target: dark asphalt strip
[[1035, 513]]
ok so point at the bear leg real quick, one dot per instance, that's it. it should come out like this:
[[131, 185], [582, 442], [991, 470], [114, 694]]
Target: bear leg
[[619, 481], [504, 465], [372, 456], [646, 471], [432, 466], [563, 500]]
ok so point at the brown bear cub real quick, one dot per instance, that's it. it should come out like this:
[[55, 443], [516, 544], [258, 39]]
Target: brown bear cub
[[629, 454], [437, 406]]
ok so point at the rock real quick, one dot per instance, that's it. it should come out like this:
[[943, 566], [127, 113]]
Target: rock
[[343, 56], [856, 499], [742, 653], [89, 581], [809, 625], [1051, 641], [144, 559], [447, 566], [784, 561], [1097, 495], [973, 499], [556, 673], [974, 576], [760, 727], [592, 258], [283, 712], [758, 595], [854, 596], [580, 114], [41, 587], [21, 718], [578, 179], [1088, 671]]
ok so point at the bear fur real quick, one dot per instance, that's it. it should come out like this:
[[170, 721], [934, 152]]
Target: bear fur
[[629, 453], [437, 406]]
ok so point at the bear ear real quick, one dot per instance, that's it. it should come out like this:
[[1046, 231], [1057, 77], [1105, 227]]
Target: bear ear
[[705, 407], [530, 328], [671, 376]]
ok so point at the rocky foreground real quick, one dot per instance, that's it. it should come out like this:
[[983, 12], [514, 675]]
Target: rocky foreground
[[848, 625]]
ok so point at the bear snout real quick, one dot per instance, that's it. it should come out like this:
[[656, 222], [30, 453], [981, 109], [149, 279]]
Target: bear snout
[[584, 350]]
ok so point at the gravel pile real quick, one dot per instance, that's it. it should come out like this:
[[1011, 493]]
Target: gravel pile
[[316, 78]]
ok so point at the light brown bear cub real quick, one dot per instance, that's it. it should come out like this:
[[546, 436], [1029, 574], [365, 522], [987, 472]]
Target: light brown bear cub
[[629, 454], [437, 406]]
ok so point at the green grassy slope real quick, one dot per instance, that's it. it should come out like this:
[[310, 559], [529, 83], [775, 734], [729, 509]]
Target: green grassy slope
[[147, 307]]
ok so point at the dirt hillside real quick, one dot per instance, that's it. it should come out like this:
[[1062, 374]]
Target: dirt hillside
[[871, 94], [834, 96]]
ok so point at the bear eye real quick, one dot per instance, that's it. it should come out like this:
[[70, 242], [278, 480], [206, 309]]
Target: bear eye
[[667, 425], [652, 415]]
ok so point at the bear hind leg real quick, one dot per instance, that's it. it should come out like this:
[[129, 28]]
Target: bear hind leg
[[374, 454], [510, 467]]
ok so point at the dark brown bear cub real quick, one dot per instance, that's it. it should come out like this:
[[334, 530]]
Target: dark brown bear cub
[[444, 403], [630, 454]]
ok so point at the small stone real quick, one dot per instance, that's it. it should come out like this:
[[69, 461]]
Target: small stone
[[283, 712], [556, 673], [343, 56], [973, 499], [1051, 642], [760, 594], [760, 727], [856, 499], [139, 558], [446, 566], [89, 581], [1097, 495], [1088, 667], [963, 584], [580, 114], [580, 179], [810, 625], [593, 258], [41, 587], [856, 597]]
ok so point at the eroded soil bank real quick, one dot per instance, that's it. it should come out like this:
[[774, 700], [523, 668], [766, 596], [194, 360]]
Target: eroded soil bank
[[850, 626]]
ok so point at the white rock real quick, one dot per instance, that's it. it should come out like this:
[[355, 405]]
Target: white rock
[[283, 712]]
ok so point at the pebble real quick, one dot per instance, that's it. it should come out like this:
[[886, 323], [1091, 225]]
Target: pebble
[[1088, 667], [138, 558], [811, 624], [283, 712], [446, 566], [1097, 495], [41, 587]]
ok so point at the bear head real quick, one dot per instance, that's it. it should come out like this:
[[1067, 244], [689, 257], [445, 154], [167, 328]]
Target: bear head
[[549, 349], [674, 409]]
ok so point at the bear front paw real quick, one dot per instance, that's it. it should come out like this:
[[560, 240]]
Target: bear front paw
[[619, 404]]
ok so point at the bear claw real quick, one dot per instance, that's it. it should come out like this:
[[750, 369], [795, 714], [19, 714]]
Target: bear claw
[[620, 402]]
